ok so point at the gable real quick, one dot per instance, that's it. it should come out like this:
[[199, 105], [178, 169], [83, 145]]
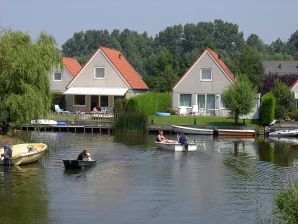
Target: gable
[[86, 78], [191, 81]]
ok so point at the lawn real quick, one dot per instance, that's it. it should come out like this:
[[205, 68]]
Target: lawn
[[199, 120]]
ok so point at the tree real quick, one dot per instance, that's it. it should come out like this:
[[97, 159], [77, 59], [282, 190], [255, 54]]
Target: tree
[[256, 43], [293, 45], [267, 112], [24, 69], [250, 64], [285, 100], [239, 98]]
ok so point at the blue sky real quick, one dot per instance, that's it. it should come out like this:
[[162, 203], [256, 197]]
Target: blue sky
[[269, 19]]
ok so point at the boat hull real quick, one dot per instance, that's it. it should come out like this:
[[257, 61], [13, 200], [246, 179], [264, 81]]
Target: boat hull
[[236, 133], [194, 131], [174, 146], [78, 164], [26, 153]]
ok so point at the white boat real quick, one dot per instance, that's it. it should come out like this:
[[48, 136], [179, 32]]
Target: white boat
[[174, 146], [285, 133], [44, 122], [191, 130], [288, 140], [25, 153]]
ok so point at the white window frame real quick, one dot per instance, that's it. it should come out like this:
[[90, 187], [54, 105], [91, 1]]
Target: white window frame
[[78, 104], [57, 80], [201, 75], [104, 73]]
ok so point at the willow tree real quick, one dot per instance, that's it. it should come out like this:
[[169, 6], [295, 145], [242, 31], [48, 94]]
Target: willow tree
[[24, 73], [239, 98]]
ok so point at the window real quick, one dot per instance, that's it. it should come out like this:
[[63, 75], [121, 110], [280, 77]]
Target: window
[[185, 100], [206, 74], [99, 73], [79, 100], [104, 101], [57, 76]]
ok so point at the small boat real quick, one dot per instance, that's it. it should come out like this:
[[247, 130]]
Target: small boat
[[163, 114], [175, 146], [44, 122], [285, 133], [287, 140], [78, 164], [248, 133], [26, 153], [191, 130]]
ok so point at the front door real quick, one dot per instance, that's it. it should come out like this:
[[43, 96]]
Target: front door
[[94, 102]]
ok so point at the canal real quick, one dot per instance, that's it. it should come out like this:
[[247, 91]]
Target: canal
[[226, 181]]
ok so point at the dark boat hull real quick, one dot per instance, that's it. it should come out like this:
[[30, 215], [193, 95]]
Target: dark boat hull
[[78, 164]]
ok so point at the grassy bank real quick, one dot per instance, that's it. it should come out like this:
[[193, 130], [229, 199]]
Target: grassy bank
[[199, 120]]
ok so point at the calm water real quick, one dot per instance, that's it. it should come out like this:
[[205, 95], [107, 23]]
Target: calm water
[[226, 181]]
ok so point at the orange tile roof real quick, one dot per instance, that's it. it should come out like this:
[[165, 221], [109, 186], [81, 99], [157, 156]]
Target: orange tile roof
[[221, 64], [72, 65], [124, 68]]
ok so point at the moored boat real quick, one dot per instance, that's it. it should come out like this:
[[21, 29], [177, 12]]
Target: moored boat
[[285, 133], [191, 130], [26, 153], [175, 146], [248, 133], [78, 164]]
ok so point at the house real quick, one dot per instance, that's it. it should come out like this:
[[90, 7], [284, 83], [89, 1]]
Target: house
[[59, 79], [202, 85], [281, 67], [104, 78]]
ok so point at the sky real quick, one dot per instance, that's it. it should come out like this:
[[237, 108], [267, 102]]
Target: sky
[[269, 19]]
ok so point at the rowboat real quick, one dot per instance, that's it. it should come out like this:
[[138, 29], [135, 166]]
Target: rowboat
[[191, 130], [44, 122], [284, 133], [26, 153], [248, 133], [78, 164], [174, 146]]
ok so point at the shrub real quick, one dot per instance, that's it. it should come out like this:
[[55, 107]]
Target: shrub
[[287, 204], [267, 112], [58, 99], [118, 107]]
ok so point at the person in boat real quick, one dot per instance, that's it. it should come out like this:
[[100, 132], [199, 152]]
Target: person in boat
[[88, 157], [182, 139], [160, 137], [83, 155], [7, 155]]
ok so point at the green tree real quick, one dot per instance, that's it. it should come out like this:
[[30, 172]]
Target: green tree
[[239, 98], [285, 100], [250, 63], [24, 69], [256, 43], [267, 112], [293, 45]]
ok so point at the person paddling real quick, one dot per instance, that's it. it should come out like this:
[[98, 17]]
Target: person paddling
[[183, 140]]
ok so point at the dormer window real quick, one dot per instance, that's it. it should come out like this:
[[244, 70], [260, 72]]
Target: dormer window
[[99, 73], [57, 76], [206, 74]]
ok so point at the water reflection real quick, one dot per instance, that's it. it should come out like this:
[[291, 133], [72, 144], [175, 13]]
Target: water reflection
[[226, 181]]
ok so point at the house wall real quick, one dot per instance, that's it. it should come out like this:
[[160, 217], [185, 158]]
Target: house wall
[[191, 84], [86, 76], [59, 86]]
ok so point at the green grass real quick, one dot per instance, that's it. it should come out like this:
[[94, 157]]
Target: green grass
[[200, 120]]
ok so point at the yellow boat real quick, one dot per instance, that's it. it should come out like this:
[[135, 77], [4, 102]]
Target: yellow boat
[[26, 153]]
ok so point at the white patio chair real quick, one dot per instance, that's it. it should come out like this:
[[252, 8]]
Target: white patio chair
[[182, 111], [59, 110], [195, 110]]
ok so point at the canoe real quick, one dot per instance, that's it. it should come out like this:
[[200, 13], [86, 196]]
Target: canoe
[[163, 114], [78, 164], [26, 153], [174, 146], [285, 133], [44, 122], [236, 132], [191, 130]]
